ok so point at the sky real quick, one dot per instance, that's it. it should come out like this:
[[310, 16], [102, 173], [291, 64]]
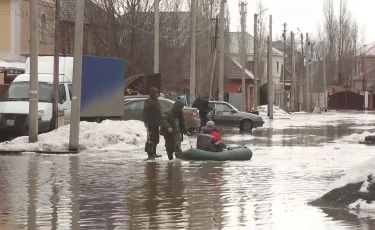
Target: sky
[[305, 15]]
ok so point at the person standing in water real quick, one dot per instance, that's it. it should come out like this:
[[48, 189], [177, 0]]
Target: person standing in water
[[173, 127], [151, 118]]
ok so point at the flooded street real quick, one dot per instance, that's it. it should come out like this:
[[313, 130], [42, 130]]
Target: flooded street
[[294, 162]]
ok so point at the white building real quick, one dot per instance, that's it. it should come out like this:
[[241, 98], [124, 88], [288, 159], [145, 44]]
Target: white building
[[234, 51]]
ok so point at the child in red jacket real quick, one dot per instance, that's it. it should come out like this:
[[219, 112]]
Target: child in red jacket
[[210, 139]]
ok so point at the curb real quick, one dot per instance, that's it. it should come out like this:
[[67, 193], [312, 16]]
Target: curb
[[18, 152]]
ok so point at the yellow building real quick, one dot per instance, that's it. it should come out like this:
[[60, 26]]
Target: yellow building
[[15, 27], [15, 34]]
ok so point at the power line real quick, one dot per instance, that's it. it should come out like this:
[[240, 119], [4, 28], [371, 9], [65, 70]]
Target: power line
[[150, 33]]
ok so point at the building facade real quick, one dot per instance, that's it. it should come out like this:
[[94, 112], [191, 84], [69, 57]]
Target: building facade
[[15, 24], [234, 51]]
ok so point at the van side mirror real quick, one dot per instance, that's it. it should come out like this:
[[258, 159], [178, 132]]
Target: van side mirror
[[233, 111]]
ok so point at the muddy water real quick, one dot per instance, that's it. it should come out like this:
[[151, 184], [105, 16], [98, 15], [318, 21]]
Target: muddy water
[[291, 165]]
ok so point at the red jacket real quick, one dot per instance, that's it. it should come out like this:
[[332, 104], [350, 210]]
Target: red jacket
[[216, 136]]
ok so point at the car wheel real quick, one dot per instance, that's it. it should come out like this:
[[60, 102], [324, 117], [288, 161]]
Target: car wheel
[[246, 126]]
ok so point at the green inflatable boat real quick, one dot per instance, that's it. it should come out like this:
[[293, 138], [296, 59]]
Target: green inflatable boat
[[237, 154]]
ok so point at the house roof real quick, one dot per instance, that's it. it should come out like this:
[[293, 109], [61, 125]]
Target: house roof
[[68, 10], [235, 44], [279, 45], [370, 73], [12, 62], [234, 70], [367, 50]]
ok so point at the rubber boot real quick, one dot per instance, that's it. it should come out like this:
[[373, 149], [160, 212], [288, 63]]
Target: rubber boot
[[150, 156], [170, 155]]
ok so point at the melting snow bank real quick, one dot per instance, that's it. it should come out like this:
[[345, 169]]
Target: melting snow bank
[[277, 111], [356, 137], [114, 135], [355, 190]]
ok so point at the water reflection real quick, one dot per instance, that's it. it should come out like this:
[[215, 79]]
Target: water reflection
[[73, 193], [151, 188], [32, 193], [291, 136], [114, 191], [362, 220]]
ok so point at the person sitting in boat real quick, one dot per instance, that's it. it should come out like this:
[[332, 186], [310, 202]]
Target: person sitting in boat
[[210, 139]]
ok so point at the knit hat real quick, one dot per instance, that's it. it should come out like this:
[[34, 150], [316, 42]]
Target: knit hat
[[210, 124]]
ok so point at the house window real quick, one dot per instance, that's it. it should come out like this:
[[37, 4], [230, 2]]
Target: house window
[[277, 67], [43, 20]]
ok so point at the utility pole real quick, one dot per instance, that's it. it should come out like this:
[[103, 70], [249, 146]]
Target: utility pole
[[222, 51], [269, 73], [300, 97], [307, 82], [33, 85], [325, 78], [77, 80], [56, 66], [214, 39], [157, 38], [193, 49], [256, 100], [311, 75], [354, 67], [283, 96], [214, 49], [293, 81], [243, 55]]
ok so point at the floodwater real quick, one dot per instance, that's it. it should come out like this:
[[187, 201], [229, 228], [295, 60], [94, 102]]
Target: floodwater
[[292, 164]]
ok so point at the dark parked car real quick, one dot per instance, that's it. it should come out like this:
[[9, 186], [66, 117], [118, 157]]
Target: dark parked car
[[225, 114], [133, 110]]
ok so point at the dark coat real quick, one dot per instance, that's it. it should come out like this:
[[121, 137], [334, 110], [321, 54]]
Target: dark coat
[[168, 121], [152, 110], [202, 104]]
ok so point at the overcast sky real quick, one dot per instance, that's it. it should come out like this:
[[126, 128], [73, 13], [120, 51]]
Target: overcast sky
[[307, 15]]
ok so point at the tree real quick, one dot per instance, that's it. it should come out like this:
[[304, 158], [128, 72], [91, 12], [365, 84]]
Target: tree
[[262, 39], [125, 28], [341, 32]]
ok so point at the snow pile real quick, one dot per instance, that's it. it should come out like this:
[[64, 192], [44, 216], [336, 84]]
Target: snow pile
[[356, 137], [356, 174], [362, 174], [362, 205], [277, 111], [119, 135], [354, 190]]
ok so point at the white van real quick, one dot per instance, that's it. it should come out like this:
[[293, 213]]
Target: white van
[[14, 107]]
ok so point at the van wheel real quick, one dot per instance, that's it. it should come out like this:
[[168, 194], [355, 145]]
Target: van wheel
[[246, 126]]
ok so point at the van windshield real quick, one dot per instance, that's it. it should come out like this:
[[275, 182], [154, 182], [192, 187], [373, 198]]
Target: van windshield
[[19, 91]]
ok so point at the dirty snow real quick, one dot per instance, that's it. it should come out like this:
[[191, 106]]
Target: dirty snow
[[119, 135], [356, 137], [362, 205], [356, 174], [277, 111]]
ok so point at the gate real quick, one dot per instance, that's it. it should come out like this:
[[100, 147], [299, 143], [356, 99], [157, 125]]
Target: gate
[[346, 100]]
